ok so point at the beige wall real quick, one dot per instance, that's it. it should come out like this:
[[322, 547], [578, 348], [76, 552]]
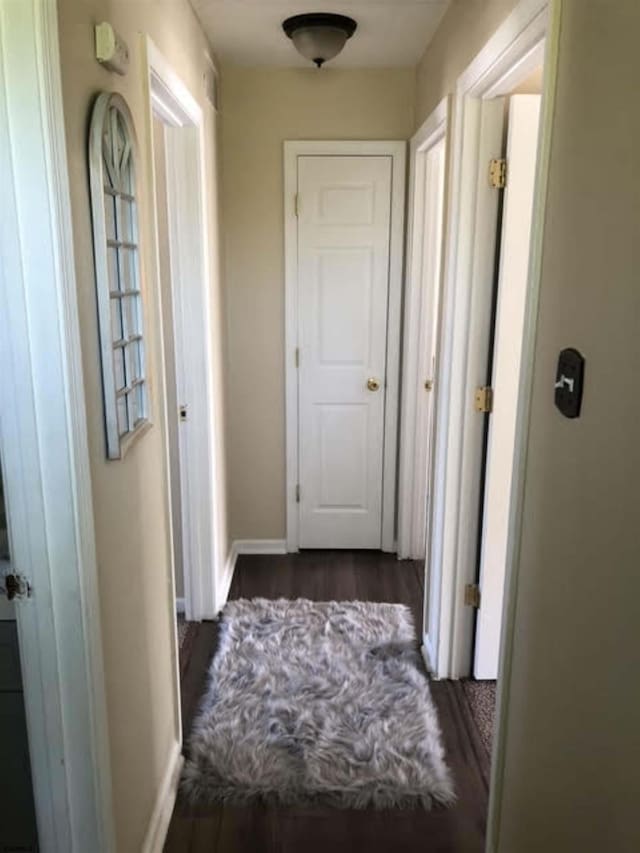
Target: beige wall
[[130, 496], [465, 28], [260, 109], [573, 738]]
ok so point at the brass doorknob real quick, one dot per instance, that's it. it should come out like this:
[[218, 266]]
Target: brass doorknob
[[373, 384]]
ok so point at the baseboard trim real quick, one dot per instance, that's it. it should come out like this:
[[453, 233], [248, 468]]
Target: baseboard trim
[[225, 585], [163, 808], [427, 657], [180, 605], [260, 546], [244, 546]]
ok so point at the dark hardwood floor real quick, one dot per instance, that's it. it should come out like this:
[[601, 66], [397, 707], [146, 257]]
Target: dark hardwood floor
[[323, 576]]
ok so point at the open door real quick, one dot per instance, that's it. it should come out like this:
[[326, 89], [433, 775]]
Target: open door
[[522, 140], [488, 121]]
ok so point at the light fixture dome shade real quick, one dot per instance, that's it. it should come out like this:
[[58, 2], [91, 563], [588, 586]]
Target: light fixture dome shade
[[319, 36], [319, 43]]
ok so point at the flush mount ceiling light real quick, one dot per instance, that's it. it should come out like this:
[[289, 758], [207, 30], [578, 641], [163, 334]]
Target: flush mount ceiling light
[[319, 36]]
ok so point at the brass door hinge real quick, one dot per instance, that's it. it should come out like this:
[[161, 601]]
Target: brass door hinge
[[298, 493], [484, 399], [498, 173], [296, 202], [472, 595]]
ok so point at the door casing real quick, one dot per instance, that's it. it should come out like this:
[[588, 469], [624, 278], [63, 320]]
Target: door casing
[[397, 151], [45, 445]]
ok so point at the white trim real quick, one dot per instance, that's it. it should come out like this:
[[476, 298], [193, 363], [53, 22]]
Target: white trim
[[522, 429], [238, 547], [163, 806], [397, 151], [412, 440], [224, 584], [260, 546], [222, 589], [433, 128], [427, 656], [44, 445], [171, 100], [507, 57], [244, 546], [512, 48], [170, 97]]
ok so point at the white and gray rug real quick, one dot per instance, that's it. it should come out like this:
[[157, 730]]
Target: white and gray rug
[[323, 702]]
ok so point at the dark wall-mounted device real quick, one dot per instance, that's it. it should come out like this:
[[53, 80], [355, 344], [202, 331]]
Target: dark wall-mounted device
[[569, 381]]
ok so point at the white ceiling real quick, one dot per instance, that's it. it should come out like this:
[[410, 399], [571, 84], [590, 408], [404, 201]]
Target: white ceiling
[[390, 33]]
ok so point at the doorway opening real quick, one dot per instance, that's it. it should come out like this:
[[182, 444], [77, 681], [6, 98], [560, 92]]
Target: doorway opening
[[177, 156], [344, 204], [19, 830], [521, 114], [510, 61], [498, 170]]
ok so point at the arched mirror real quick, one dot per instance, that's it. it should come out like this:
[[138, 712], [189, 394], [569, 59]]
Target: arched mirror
[[114, 205]]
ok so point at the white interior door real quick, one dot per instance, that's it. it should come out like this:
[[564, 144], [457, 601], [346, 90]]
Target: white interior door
[[344, 216], [484, 141], [427, 343], [522, 139]]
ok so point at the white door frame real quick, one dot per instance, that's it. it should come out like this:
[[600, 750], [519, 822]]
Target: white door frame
[[512, 53], [44, 445], [186, 175], [411, 517], [397, 151]]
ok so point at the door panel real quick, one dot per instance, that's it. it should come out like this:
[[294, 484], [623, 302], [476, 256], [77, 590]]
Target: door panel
[[343, 282], [344, 296], [342, 443], [522, 141]]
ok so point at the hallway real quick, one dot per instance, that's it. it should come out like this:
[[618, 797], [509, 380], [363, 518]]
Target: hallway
[[323, 576]]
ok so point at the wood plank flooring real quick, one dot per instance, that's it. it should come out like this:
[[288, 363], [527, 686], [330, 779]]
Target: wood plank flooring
[[323, 576]]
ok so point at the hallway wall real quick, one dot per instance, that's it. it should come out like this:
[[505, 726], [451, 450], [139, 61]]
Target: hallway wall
[[571, 733], [572, 736], [260, 109], [130, 496]]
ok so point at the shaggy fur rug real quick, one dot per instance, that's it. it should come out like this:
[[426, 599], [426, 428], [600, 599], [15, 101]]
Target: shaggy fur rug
[[323, 702]]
